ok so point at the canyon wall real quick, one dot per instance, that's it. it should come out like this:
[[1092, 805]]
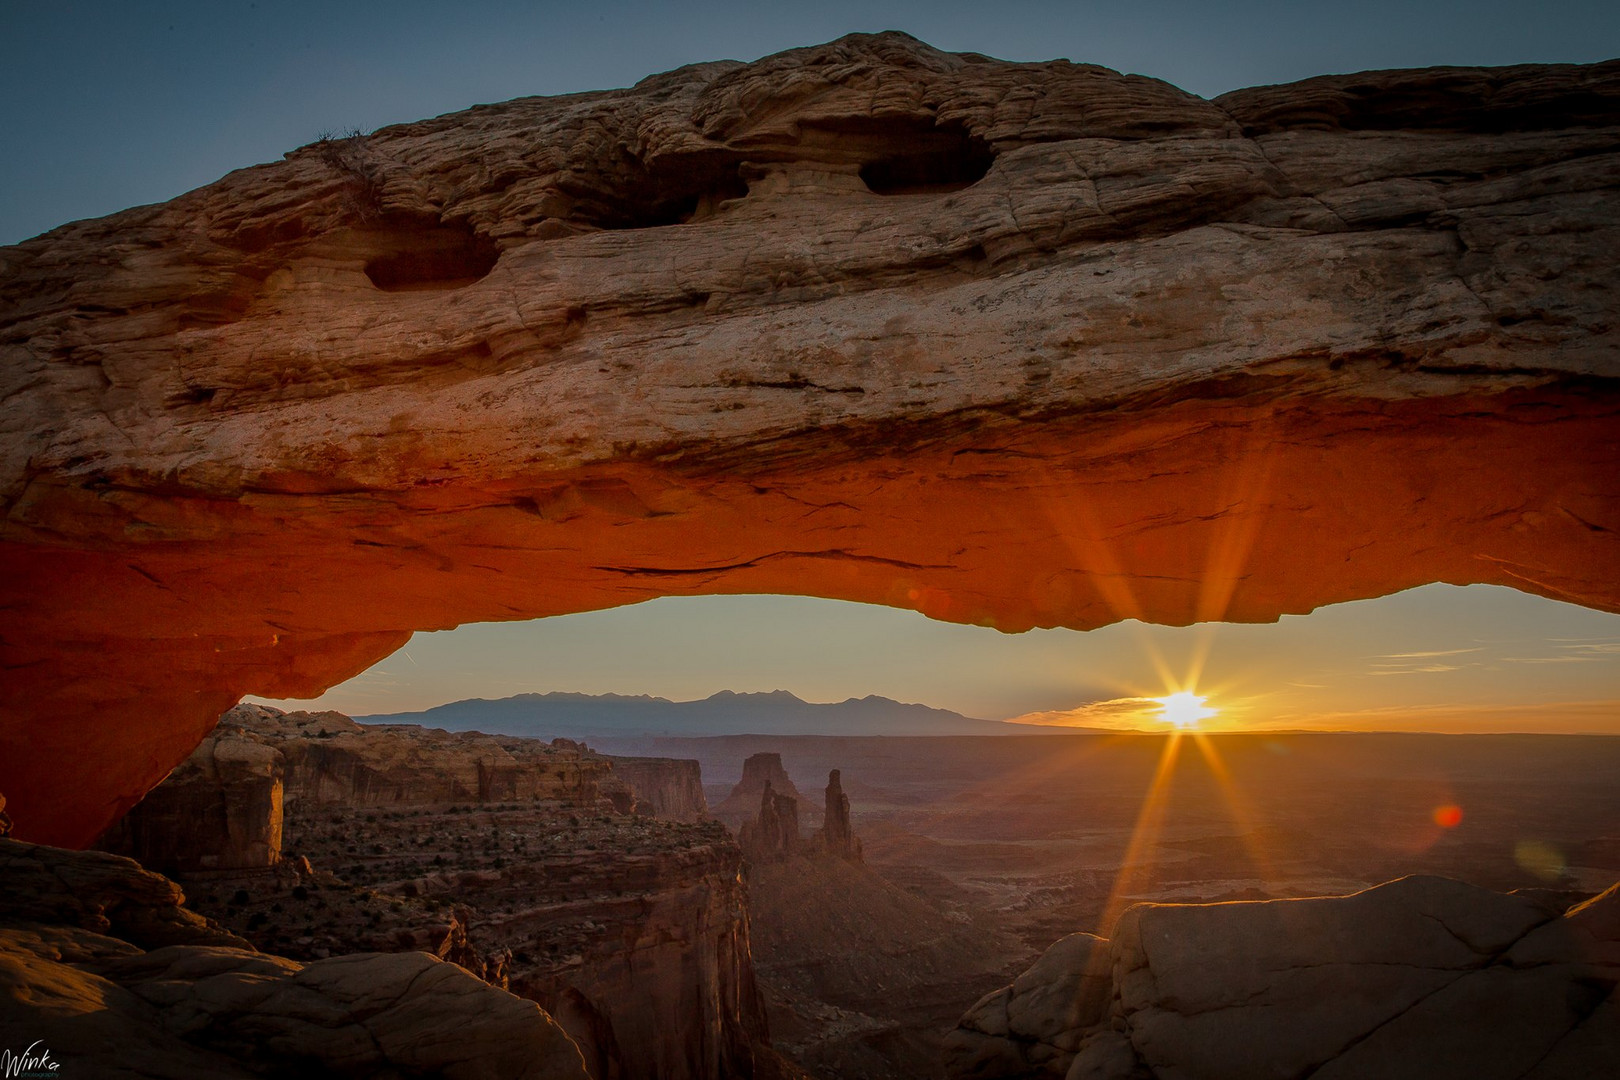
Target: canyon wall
[[331, 759], [668, 788], [1010, 344], [220, 809], [647, 957], [509, 856]]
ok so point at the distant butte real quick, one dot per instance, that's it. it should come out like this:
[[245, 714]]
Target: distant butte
[[1014, 344]]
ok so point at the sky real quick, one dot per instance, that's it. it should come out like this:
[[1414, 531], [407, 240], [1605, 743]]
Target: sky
[[1436, 658], [109, 105], [112, 104]]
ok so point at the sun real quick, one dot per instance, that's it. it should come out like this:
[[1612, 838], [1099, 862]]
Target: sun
[[1184, 709]]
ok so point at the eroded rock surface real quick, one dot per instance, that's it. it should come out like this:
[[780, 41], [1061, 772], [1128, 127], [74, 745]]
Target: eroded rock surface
[[1421, 977], [332, 759], [102, 967], [633, 932], [1014, 344]]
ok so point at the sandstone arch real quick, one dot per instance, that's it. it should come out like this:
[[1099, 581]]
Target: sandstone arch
[[1163, 357]]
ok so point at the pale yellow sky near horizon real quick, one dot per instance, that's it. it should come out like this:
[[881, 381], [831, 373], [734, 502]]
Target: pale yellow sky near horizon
[[1438, 658]]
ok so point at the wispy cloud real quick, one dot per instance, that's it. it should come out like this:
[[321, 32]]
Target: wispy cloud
[[1573, 651], [1596, 650], [1123, 713], [1548, 659], [1414, 669], [1426, 662], [1426, 655]]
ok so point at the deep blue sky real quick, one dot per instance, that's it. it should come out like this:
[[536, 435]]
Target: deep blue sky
[[113, 104]]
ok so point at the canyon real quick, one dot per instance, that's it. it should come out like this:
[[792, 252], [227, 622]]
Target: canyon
[[1012, 344], [664, 948], [534, 866]]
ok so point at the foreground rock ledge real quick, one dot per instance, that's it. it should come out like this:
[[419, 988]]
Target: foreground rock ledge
[[1016, 344], [104, 967], [1422, 977]]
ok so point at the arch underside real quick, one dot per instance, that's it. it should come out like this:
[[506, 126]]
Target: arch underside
[[1204, 510]]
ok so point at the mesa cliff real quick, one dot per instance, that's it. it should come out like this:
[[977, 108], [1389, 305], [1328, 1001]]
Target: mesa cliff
[[667, 787], [1011, 344]]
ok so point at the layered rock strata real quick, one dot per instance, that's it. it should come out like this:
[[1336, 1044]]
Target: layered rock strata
[[104, 972], [633, 932], [508, 856], [221, 809], [1422, 977], [331, 759], [666, 787], [1011, 344]]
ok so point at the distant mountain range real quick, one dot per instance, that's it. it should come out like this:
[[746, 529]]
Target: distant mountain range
[[579, 716]]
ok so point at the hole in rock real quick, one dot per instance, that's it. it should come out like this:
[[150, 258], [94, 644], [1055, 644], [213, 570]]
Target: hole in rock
[[674, 191], [428, 257], [926, 160]]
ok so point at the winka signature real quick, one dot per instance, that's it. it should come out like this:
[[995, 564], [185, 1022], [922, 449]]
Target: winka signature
[[27, 1063]]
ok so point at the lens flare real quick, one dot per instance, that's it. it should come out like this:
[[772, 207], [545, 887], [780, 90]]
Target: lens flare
[[1183, 710], [1540, 859]]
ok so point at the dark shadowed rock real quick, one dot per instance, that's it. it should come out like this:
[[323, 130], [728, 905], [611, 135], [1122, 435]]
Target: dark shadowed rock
[[102, 966], [1419, 978], [836, 836], [1034, 1026], [774, 832], [220, 809]]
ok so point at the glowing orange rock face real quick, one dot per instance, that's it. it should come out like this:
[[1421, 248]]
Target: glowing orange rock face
[[1164, 360]]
